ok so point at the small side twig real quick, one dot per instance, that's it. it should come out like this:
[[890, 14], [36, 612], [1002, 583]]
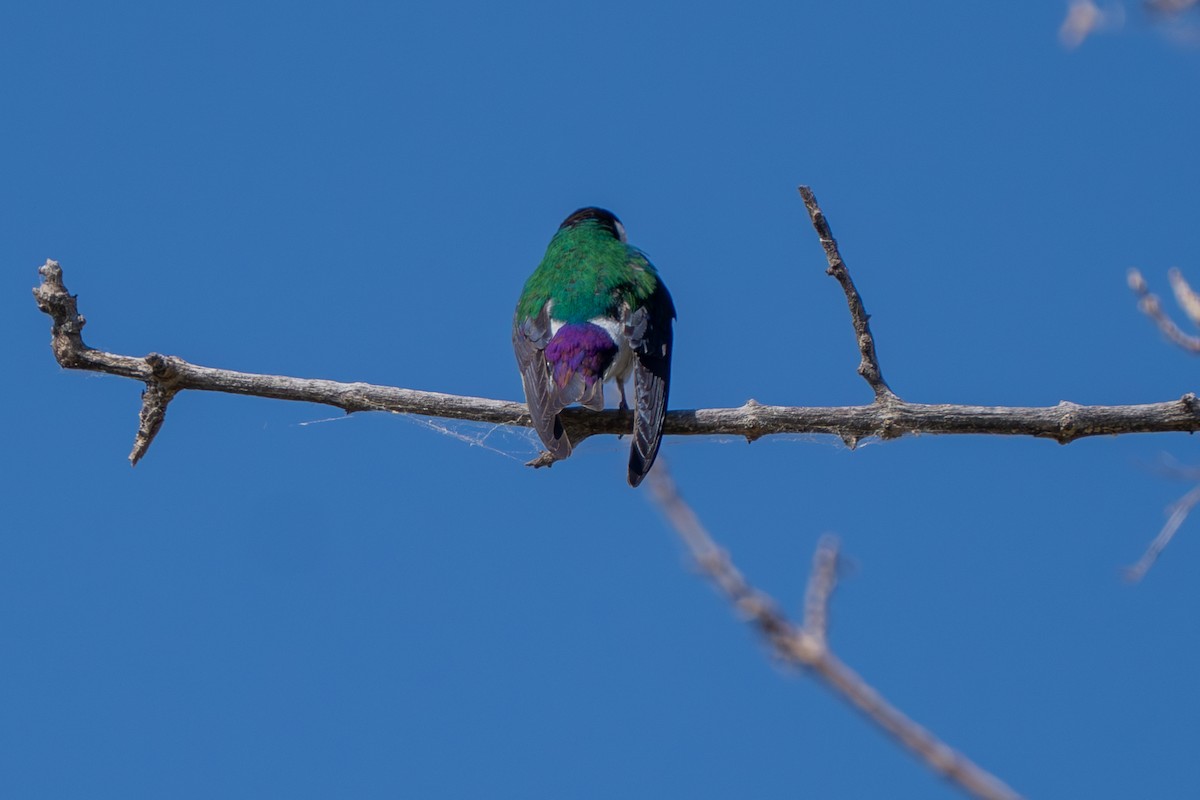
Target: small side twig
[[1178, 512], [1185, 295], [160, 390], [869, 366], [158, 372], [1169, 8], [155, 398], [1149, 304], [805, 646], [821, 583]]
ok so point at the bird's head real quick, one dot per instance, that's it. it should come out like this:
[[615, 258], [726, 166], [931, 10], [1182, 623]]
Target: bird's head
[[606, 220]]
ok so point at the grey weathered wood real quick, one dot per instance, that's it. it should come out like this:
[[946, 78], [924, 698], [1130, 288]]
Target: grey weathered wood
[[887, 418]]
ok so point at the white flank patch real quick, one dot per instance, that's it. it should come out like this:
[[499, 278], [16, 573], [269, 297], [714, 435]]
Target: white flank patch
[[612, 327], [619, 368]]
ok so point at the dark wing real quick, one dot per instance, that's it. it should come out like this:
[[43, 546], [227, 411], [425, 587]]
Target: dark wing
[[650, 336], [530, 337]]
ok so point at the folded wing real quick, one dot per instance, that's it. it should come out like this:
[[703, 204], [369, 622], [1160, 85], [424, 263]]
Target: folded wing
[[530, 338], [650, 335]]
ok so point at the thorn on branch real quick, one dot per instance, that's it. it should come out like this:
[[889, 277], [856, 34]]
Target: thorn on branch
[[159, 391], [150, 419], [868, 367]]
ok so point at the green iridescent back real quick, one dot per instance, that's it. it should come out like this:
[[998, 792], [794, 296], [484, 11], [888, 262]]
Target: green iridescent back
[[588, 273]]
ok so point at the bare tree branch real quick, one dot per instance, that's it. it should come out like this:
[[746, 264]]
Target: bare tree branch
[[1185, 296], [1084, 18], [1179, 511], [806, 646], [1087, 17], [888, 417], [1150, 305], [165, 376], [1169, 7], [821, 583], [869, 366]]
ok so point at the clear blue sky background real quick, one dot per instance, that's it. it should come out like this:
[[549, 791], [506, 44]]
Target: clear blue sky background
[[369, 608]]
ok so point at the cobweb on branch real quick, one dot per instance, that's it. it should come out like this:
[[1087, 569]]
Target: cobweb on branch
[[322, 421], [511, 441], [522, 444]]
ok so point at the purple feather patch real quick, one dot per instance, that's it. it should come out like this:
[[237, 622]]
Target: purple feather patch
[[581, 349]]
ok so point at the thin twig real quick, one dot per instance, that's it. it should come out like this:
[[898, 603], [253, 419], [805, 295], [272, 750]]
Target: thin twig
[[1149, 305], [1179, 511], [821, 583], [1169, 8], [869, 366], [1083, 17], [1063, 423], [1170, 467], [1185, 295], [803, 646]]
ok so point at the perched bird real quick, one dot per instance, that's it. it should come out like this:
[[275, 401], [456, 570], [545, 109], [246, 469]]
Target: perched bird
[[594, 311]]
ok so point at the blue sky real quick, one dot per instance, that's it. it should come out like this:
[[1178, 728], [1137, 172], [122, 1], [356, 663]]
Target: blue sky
[[367, 607]]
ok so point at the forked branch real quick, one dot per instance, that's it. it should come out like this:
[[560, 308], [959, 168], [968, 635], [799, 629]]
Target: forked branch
[[1151, 306], [805, 646]]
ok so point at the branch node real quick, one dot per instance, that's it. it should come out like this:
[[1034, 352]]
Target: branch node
[[1068, 424], [163, 368]]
